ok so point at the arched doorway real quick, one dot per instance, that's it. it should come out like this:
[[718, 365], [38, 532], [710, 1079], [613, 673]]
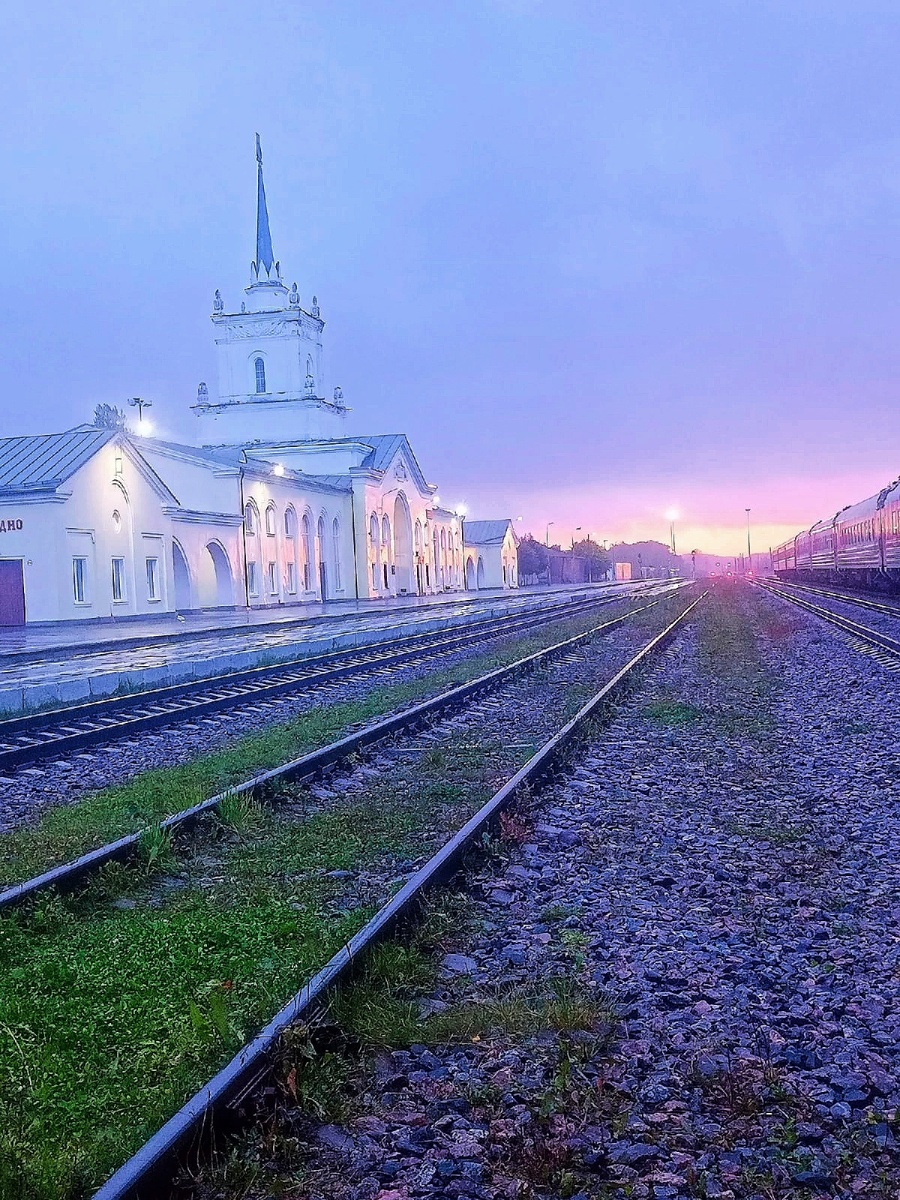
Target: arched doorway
[[470, 575], [403, 545], [223, 584], [182, 577], [479, 574]]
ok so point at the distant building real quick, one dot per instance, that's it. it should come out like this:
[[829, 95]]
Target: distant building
[[278, 504], [490, 554]]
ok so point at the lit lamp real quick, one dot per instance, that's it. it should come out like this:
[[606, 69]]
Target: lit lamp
[[278, 470], [144, 427]]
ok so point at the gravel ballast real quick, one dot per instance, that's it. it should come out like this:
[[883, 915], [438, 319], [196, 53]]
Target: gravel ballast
[[718, 875]]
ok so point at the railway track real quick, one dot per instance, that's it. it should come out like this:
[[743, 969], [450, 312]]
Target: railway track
[[888, 610], [880, 646], [216, 1107], [73, 874], [35, 736]]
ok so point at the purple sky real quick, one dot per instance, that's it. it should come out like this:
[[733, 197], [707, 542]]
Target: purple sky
[[596, 259]]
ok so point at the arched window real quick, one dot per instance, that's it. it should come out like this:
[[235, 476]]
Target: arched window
[[320, 536], [250, 519], [290, 523], [336, 542], [270, 520], [373, 530], [386, 535], [260, 368], [306, 546]]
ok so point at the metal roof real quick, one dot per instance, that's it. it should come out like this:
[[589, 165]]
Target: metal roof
[[217, 456], [341, 482], [384, 447], [485, 533], [44, 461]]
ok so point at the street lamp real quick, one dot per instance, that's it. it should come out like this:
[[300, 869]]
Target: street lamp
[[749, 559], [140, 405], [547, 534], [577, 530], [671, 516]]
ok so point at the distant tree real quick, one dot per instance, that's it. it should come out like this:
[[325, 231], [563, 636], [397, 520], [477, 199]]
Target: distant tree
[[532, 556], [107, 416], [600, 560]]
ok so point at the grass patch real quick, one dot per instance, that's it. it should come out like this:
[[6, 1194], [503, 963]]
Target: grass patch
[[117, 1004], [768, 831], [66, 832], [673, 712], [560, 1003]]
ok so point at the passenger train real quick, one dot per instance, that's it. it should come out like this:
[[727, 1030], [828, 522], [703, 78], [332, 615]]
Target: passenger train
[[859, 545]]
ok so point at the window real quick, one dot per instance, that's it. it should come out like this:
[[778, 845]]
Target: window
[[252, 579], [292, 578], [260, 368], [118, 579], [373, 530], [290, 523], [336, 540], [79, 580], [272, 578], [270, 520], [375, 576], [152, 578], [306, 542], [250, 519], [117, 521], [385, 574]]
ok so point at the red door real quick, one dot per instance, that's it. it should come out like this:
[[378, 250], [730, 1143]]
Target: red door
[[12, 591]]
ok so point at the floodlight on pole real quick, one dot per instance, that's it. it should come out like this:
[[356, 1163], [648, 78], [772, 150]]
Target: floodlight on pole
[[140, 405]]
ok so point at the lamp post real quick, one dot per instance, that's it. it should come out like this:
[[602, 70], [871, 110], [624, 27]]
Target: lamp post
[[547, 534], [749, 559], [140, 405]]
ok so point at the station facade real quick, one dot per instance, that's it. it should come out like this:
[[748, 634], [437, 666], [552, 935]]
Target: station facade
[[276, 503]]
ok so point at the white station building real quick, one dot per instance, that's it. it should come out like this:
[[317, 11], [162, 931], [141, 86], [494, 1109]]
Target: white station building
[[276, 504]]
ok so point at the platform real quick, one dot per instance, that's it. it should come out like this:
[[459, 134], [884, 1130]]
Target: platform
[[58, 665]]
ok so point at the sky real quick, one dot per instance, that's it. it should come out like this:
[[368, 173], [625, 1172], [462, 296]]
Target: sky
[[597, 260]]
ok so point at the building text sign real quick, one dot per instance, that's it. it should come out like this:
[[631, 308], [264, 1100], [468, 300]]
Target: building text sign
[[10, 525]]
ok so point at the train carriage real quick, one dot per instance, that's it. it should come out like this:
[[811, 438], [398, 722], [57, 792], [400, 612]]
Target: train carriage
[[860, 545]]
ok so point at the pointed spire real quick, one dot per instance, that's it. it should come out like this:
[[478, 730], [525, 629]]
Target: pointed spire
[[264, 254]]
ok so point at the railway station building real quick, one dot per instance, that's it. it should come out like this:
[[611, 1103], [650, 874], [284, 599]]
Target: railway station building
[[276, 502]]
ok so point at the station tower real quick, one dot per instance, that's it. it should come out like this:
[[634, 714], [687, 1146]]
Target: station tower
[[269, 359]]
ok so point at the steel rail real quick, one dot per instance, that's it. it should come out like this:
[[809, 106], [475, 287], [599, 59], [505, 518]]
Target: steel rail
[[34, 736], [214, 1106], [870, 637], [69, 875], [890, 610]]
